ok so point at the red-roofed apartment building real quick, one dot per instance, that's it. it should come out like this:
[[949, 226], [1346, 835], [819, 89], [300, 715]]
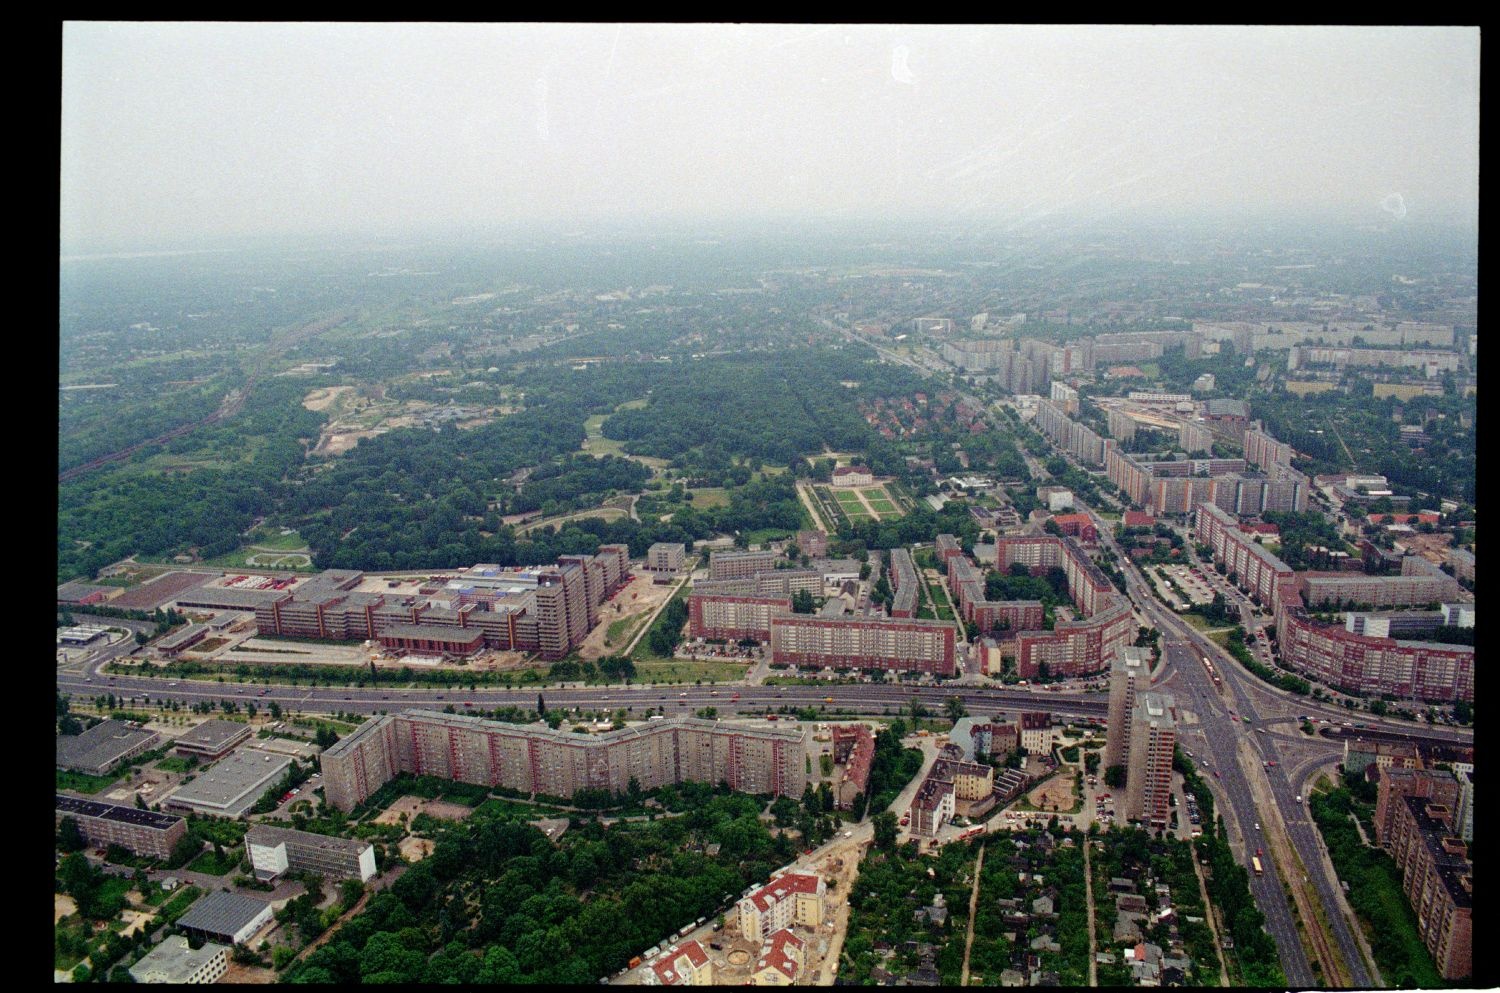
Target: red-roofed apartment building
[[854, 749], [1077, 526], [780, 960], [791, 898], [683, 965]]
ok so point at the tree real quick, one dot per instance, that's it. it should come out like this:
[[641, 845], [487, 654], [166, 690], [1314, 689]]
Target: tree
[[886, 831], [1463, 712], [275, 709], [1114, 776], [802, 602], [954, 706], [541, 705], [69, 837]]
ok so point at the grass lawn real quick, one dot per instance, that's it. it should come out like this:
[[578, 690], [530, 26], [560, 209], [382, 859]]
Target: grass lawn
[[1202, 623], [82, 782], [668, 670], [515, 810], [636, 404], [762, 535], [710, 497], [284, 542], [214, 865], [178, 904], [620, 631], [176, 763], [1220, 638], [845, 497]]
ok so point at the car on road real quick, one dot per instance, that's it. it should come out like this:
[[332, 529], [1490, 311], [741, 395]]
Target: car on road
[[1257, 825]]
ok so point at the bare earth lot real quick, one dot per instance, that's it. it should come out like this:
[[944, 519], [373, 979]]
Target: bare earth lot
[[414, 805], [638, 597]]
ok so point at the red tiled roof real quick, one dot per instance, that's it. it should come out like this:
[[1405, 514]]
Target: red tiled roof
[[1135, 519], [774, 954], [783, 887], [665, 964]]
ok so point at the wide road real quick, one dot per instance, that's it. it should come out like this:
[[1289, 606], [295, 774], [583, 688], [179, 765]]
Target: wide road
[[876, 699], [1184, 647]]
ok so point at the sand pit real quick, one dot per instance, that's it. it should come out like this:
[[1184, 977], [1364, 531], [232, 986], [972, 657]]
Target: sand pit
[[62, 906], [414, 805], [415, 849], [1056, 792]]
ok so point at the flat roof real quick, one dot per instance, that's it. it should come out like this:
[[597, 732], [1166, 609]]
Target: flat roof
[[214, 734], [434, 632], [183, 636], [243, 774], [174, 961], [265, 834], [101, 745], [221, 912], [114, 812]]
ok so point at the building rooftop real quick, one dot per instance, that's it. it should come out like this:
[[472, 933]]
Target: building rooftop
[[774, 955], [101, 745], [783, 886], [114, 812], [174, 961], [269, 837], [665, 966], [221, 912], [214, 735], [240, 776]]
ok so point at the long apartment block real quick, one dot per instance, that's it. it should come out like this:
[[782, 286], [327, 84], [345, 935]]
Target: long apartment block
[[1072, 648], [144, 832], [860, 643], [1254, 568], [733, 618], [536, 759]]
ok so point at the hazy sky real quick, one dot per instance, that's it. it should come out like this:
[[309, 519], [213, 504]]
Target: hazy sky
[[185, 131]]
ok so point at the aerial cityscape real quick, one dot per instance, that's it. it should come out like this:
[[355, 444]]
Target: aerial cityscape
[[707, 504]]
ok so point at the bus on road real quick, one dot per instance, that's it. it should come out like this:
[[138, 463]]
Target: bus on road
[[1255, 864]]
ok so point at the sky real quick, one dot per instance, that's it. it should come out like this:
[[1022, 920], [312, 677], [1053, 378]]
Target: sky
[[179, 133]]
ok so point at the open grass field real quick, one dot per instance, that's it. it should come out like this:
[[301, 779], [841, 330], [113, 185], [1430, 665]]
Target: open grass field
[[680, 671], [710, 497], [82, 782]]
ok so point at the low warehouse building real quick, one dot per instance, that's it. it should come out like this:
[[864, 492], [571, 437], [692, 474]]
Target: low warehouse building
[[230, 788], [228, 918], [103, 746]]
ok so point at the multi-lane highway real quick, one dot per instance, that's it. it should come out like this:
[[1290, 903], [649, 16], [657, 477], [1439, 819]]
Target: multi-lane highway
[[863, 698]]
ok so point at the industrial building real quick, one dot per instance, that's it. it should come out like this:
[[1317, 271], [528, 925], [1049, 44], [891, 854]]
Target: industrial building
[[224, 917], [535, 759], [143, 832], [274, 851], [231, 787], [103, 746]]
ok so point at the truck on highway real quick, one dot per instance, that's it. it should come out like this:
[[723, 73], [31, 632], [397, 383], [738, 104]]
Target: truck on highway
[[1255, 864]]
